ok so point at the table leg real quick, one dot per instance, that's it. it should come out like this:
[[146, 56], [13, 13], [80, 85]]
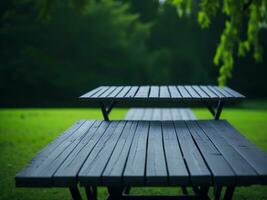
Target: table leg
[[75, 193], [217, 192], [91, 193], [229, 193], [216, 113], [219, 110], [184, 190], [106, 109], [115, 193]]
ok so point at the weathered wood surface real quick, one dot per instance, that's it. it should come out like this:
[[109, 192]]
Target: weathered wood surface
[[166, 93], [162, 114], [153, 153]]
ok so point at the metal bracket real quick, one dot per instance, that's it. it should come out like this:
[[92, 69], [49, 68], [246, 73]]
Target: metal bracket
[[216, 113], [106, 109]]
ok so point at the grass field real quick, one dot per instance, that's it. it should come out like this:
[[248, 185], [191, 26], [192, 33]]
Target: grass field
[[23, 132]]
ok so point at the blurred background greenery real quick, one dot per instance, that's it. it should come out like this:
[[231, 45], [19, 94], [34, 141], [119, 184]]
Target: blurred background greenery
[[48, 62]]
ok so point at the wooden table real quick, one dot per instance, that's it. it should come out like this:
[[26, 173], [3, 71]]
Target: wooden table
[[116, 154], [126, 153], [108, 96]]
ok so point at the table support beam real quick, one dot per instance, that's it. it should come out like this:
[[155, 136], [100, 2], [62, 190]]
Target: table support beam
[[229, 193], [216, 113], [75, 193], [91, 193], [106, 109]]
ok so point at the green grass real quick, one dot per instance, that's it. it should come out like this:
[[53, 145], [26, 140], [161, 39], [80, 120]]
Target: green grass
[[23, 132]]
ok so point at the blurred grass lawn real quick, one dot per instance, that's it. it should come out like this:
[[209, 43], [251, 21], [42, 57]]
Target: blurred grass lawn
[[23, 132]]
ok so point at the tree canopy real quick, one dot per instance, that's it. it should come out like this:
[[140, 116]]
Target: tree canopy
[[243, 22]]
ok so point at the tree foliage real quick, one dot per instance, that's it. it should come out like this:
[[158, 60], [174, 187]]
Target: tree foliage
[[244, 21]]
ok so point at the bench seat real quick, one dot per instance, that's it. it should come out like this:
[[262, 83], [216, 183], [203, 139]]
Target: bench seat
[[147, 153], [162, 114]]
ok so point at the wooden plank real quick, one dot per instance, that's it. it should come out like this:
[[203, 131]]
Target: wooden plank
[[176, 115], [156, 172], [226, 94], [131, 92], [23, 178], [250, 152], [115, 92], [139, 114], [218, 93], [200, 92], [221, 170], [245, 174], [178, 174], [67, 173], [123, 92], [134, 172], [92, 92], [148, 114], [98, 93], [154, 92], [186, 114], [157, 114], [112, 176], [209, 92], [143, 92], [90, 173], [233, 92], [107, 92], [164, 92], [166, 114], [174, 92], [191, 91], [183, 92], [41, 174], [130, 114], [199, 172]]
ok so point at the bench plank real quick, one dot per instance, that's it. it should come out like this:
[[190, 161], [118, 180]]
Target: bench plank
[[164, 92], [199, 172], [200, 92], [209, 92], [134, 172], [114, 170], [45, 164], [143, 92], [252, 154], [98, 93], [68, 171], [154, 92], [115, 92], [183, 92], [221, 170], [177, 171], [156, 172], [131, 92], [92, 92], [174, 92], [148, 114], [123, 92], [191, 91], [245, 174], [95, 163]]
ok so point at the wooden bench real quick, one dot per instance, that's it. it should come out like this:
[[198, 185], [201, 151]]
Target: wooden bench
[[162, 114], [117, 154]]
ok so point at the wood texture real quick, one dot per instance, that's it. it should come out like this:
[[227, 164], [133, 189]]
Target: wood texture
[[151, 153]]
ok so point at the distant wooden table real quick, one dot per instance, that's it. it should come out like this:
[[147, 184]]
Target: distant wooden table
[[117, 154], [108, 96]]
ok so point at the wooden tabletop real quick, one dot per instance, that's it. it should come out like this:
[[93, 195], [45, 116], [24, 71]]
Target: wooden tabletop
[[133, 93], [153, 153]]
